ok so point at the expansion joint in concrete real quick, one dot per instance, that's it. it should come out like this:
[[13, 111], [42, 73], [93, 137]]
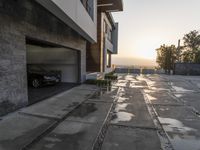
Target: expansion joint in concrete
[[165, 142], [102, 133], [176, 105], [51, 127], [134, 127], [39, 116]]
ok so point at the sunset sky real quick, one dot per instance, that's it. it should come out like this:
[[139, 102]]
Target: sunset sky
[[146, 24]]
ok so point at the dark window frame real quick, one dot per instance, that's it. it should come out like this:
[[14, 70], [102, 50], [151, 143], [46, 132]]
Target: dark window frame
[[89, 6]]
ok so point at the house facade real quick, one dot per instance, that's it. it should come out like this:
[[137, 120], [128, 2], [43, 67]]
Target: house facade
[[99, 54], [48, 33]]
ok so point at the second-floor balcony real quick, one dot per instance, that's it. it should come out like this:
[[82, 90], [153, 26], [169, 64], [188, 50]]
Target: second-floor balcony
[[108, 43], [80, 15], [89, 6], [111, 41]]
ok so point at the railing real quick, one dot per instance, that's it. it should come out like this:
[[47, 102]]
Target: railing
[[108, 44]]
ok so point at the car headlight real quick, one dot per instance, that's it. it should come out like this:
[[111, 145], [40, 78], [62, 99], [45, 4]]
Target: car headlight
[[47, 78]]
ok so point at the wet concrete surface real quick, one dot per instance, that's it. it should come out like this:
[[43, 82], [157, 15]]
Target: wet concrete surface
[[123, 138], [190, 99], [39, 94], [131, 126], [121, 117], [81, 128], [176, 112], [131, 110], [90, 112], [117, 115], [69, 135], [17, 130], [59, 105]]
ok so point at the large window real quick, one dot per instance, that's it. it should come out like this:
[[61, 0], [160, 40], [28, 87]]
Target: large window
[[108, 60], [89, 6], [107, 31]]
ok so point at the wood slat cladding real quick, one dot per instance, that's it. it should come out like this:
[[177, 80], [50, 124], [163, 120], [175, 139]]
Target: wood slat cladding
[[93, 55], [97, 53]]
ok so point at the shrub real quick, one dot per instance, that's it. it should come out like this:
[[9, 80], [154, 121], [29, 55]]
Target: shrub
[[111, 77], [99, 82]]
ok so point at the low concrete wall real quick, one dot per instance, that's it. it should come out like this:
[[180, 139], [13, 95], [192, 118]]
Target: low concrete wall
[[187, 69], [148, 71], [121, 70], [135, 71]]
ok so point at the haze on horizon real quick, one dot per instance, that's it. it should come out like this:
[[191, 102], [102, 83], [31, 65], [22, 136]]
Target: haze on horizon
[[146, 24]]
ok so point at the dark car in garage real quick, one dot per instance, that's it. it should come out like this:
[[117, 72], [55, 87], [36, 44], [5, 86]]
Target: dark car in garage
[[38, 76]]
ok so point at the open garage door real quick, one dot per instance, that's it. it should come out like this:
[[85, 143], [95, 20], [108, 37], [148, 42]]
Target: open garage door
[[48, 59]]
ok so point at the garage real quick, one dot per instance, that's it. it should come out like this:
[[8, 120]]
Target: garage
[[46, 60]]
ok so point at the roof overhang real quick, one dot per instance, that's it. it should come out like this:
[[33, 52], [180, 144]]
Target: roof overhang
[[111, 19], [110, 5]]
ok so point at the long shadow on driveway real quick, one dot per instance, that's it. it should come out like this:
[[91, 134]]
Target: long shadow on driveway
[[36, 95]]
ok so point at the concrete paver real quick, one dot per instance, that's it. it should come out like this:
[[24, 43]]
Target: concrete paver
[[131, 126], [104, 95], [86, 123], [119, 116], [183, 86], [132, 115], [90, 112], [17, 130], [20, 128], [59, 105], [131, 109], [79, 130], [69, 135], [190, 99], [121, 138], [178, 112], [162, 98], [180, 122]]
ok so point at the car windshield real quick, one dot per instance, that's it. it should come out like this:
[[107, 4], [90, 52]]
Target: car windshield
[[36, 68]]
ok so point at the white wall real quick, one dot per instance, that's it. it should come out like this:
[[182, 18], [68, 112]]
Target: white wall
[[62, 59]]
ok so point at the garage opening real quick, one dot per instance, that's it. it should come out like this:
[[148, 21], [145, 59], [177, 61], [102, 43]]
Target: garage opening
[[51, 69]]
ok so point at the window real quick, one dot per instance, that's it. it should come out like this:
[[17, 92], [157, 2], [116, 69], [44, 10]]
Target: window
[[108, 60], [107, 31], [109, 35], [89, 6]]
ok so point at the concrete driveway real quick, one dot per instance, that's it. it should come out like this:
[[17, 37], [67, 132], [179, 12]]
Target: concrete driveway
[[138, 112], [38, 94], [176, 102]]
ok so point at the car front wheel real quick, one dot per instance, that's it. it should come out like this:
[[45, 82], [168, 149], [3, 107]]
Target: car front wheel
[[36, 83]]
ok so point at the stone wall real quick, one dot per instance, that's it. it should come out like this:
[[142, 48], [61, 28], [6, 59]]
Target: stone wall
[[21, 19], [187, 69]]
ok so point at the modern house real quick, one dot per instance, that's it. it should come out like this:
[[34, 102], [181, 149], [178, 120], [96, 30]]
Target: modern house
[[99, 54], [50, 33]]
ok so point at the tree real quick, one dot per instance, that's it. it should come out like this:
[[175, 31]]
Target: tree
[[166, 57], [191, 53]]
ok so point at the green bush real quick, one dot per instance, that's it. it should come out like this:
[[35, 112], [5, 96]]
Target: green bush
[[111, 77], [99, 82], [110, 73]]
